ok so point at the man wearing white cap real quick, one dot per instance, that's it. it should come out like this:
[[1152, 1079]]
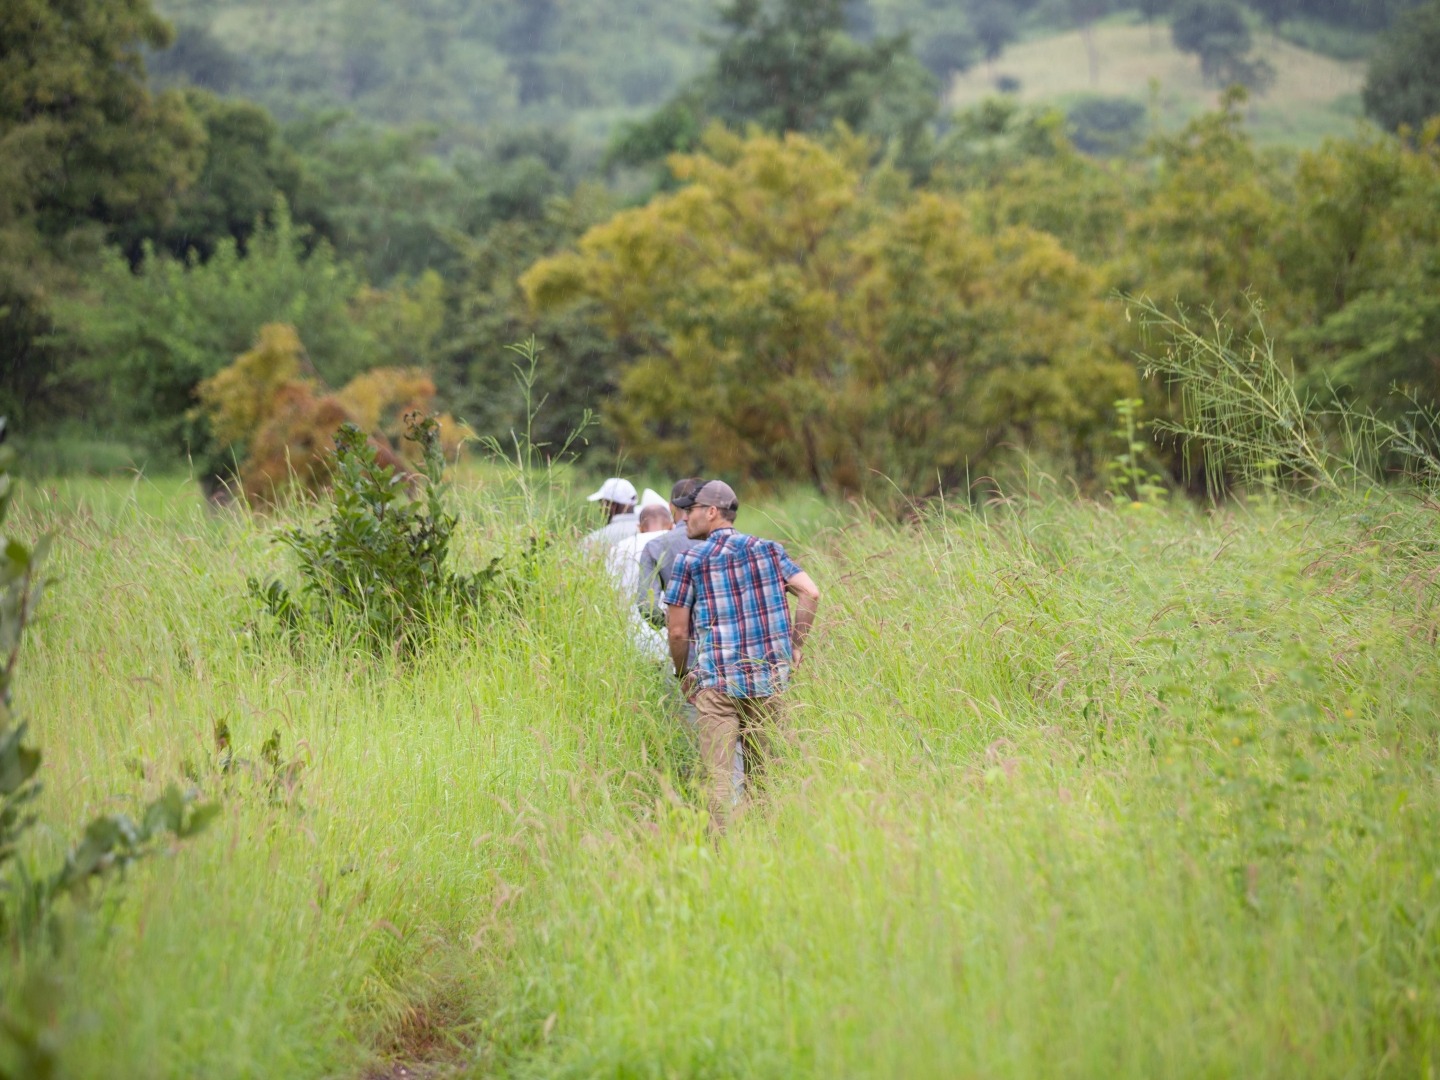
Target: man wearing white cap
[[617, 499]]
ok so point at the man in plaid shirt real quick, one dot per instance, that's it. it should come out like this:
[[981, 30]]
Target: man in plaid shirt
[[730, 595]]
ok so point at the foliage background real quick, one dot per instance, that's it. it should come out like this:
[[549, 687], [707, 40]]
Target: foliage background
[[403, 169]]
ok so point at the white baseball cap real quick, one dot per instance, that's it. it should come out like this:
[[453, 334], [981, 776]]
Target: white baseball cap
[[651, 497], [615, 490]]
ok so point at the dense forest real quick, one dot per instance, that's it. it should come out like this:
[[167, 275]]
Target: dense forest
[[762, 205]]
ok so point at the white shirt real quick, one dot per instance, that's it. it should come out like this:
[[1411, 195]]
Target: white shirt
[[623, 559], [621, 527], [623, 562]]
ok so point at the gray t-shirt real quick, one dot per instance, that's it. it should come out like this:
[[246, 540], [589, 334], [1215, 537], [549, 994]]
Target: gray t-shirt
[[657, 562], [621, 527]]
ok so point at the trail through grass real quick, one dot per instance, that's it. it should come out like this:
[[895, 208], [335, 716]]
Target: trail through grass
[[1070, 791]]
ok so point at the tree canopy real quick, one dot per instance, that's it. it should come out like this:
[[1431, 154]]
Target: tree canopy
[[86, 151], [851, 284], [792, 65], [795, 314], [1403, 83]]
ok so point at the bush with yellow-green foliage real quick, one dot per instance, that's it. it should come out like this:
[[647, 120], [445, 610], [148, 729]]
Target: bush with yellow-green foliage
[[239, 398], [796, 311], [798, 314], [277, 419]]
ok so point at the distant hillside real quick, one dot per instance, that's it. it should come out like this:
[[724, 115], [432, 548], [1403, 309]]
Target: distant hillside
[[1313, 96], [462, 64], [467, 66]]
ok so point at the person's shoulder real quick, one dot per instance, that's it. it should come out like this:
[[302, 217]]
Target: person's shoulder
[[773, 550], [760, 543]]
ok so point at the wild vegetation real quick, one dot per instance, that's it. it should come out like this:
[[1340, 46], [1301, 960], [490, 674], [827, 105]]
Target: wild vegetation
[[796, 313], [31, 897], [1122, 789], [1111, 440], [376, 573]]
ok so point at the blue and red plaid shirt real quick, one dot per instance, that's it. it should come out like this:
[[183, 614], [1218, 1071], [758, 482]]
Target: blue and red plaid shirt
[[734, 586]]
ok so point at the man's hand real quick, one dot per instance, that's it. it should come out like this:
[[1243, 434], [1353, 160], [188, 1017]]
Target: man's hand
[[690, 685]]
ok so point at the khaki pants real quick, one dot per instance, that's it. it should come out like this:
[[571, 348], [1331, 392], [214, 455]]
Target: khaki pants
[[724, 723]]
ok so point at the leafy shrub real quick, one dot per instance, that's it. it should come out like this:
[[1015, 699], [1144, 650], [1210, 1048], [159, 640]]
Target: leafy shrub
[[1130, 479], [237, 399], [377, 566], [273, 415], [150, 335], [289, 451]]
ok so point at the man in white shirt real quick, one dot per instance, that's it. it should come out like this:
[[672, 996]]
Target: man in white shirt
[[617, 499], [622, 559]]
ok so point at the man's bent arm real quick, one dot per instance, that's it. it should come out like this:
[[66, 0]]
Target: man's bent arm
[[677, 624], [807, 600]]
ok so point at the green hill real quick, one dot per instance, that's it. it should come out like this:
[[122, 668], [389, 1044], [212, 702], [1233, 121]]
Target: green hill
[[1312, 97], [463, 66]]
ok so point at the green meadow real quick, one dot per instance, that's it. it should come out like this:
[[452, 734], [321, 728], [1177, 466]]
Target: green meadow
[[1070, 789]]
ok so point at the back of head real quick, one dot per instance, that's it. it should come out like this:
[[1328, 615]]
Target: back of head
[[682, 495], [655, 517]]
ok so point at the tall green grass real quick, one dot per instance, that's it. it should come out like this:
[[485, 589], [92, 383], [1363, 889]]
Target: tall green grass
[[1068, 791]]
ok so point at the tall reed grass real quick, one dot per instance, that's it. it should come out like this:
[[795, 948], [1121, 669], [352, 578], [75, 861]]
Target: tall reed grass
[[1069, 791]]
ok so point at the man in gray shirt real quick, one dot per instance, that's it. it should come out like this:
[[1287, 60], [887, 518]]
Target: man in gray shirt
[[657, 561]]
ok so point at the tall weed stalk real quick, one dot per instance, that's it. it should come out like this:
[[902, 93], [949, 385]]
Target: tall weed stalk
[[533, 472], [1243, 410]]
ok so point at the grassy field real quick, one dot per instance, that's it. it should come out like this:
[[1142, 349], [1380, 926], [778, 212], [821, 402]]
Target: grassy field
[[1071, 790], [1313, 96]]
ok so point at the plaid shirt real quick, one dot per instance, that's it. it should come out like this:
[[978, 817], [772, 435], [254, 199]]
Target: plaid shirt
[[734, 586]]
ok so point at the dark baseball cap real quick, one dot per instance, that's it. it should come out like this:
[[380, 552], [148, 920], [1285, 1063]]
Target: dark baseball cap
[[718, 494], [684, 492]]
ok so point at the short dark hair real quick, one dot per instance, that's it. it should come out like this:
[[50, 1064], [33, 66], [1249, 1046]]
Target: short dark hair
[[728, 512], [684, 492]]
